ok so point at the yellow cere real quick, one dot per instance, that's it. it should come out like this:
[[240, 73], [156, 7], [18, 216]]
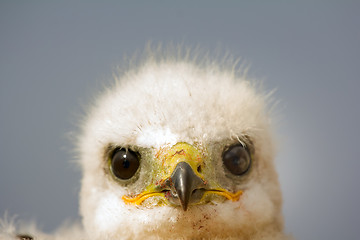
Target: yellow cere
[[180, 152], [169, 157]]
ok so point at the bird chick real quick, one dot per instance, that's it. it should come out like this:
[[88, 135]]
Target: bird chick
[[179, 149]]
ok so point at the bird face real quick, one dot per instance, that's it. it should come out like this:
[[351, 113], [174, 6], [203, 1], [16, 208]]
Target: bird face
[[175, 150], [181, 179]]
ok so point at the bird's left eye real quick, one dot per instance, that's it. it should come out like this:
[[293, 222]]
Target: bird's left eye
[[124, 163], [237, 159]]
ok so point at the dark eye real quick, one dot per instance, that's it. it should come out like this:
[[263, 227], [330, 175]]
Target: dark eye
[[237, 159], [124, 163]]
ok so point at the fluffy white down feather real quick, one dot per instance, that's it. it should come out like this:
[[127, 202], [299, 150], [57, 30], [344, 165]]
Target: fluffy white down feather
[[159, 103]]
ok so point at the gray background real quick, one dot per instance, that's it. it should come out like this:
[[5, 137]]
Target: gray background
[[55, 55]]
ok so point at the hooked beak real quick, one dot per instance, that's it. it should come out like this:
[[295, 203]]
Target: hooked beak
[[185, 183]]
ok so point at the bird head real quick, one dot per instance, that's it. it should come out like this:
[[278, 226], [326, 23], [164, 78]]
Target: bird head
[[175, 149]]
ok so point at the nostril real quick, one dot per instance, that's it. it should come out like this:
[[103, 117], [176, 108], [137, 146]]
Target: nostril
[[199, 169]]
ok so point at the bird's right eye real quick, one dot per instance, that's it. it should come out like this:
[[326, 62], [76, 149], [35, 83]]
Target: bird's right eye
[[124, 163]]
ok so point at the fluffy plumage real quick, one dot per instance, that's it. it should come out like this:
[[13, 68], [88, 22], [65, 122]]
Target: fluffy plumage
[[150, 109]]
